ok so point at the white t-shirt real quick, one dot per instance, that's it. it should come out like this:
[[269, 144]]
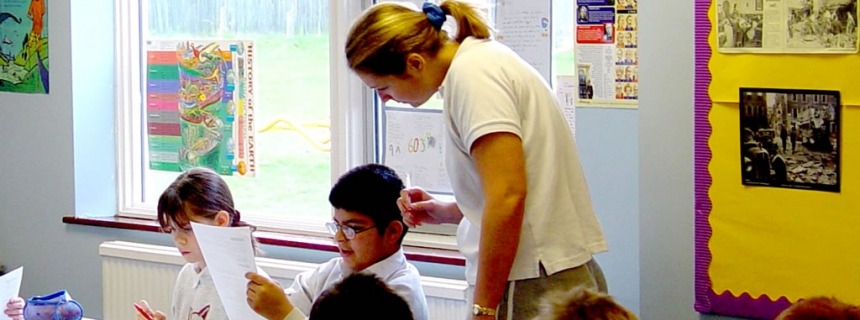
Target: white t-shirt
[[490, 89], [195, 297], [400, 275]]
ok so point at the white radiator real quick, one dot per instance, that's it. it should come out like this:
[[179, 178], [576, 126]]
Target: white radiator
[[134, 271]]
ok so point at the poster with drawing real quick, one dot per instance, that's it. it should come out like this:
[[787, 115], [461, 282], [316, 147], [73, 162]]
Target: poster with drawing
[[413, 146], [790, 138], [24, 46], [200, 106], [787, 26], [606, 53]]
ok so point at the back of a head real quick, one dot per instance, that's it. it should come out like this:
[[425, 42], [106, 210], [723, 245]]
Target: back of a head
[[379, 40], [582, 304], [820, 308], [371, 190], [360, 296]]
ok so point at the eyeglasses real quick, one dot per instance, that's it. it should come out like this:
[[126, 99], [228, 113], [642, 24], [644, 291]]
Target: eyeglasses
[[348, 232]]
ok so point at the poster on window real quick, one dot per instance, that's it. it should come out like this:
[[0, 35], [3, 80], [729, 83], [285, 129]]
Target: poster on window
[[199, 105], [787, 26], [790, 138], [607, 55], [24, 46]]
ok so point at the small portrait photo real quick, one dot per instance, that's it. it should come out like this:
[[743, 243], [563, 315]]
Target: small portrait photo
[[630, 22], [621, 4], [630, 57], [608, 31], [621, 39], [619, 74], [622, 22], [619, 90], [582, 14], [630, 74], [628, 91], [631, 40], [619, 56]]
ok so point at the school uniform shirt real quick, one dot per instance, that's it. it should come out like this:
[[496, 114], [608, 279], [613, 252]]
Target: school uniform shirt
[[397, 273], [195, 297], [489, 89]]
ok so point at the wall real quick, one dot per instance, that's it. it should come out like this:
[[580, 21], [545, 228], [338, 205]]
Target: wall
[[666, 160]]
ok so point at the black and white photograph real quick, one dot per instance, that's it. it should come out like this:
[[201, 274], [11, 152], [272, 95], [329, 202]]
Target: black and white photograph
[[822, 23], [739, 23], [790, 138]]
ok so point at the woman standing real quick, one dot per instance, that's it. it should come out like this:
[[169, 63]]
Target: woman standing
[[526, 224]]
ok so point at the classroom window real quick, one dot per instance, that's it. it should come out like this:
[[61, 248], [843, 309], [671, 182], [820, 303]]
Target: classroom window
[[178, 107]]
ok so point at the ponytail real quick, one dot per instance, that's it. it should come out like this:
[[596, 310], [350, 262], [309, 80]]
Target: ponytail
[[386, 33], [470, 21]]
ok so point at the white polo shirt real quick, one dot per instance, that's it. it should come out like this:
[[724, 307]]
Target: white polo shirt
[[489, 89]]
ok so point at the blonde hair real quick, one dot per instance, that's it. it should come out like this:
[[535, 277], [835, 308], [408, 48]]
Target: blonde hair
[[386, 33], [582, 304]]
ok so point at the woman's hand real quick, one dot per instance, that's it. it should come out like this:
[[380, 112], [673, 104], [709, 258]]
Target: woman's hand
[[15, 308], [149, 313], [266, 297], [419, 207]]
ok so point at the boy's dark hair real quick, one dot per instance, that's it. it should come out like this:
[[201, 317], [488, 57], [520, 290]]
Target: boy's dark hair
[[371, 190], [360, 296]]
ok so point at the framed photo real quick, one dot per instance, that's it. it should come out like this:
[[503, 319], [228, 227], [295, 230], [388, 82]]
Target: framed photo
[[790, 138]]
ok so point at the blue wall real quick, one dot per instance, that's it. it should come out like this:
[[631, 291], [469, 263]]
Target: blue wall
[[608, 143]]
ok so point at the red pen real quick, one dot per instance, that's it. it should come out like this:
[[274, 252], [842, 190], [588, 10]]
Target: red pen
[[142, 312]]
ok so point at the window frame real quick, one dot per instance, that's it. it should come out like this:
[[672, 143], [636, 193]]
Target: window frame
[[353, 130]]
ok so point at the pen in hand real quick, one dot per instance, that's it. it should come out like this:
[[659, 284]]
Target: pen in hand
[[142, 312]]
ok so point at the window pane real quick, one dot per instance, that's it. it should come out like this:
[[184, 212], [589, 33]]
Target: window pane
[[291, 97]]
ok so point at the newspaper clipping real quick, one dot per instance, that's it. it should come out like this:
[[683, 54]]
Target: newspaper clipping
[[607, 57], [787, 26]]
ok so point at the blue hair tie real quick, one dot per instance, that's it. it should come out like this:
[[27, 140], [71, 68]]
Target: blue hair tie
[[434, 14]]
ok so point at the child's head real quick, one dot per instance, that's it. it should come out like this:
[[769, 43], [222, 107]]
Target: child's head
[[198, 195], [360, 296], [820, 308], [582, 304], [367, 226]]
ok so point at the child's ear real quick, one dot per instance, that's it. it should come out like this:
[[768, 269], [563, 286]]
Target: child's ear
[[394, 231], [222, 219]]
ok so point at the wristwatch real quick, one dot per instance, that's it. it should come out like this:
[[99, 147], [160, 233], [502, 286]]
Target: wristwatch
[[478, 310]]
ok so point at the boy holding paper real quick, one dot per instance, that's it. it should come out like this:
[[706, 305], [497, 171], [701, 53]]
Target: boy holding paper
[[368, 228]]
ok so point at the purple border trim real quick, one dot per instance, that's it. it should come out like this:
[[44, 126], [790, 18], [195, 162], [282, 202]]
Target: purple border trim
[[702, 156], [706, 300]]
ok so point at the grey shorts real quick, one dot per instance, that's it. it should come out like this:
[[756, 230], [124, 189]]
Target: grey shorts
[[522, 298]]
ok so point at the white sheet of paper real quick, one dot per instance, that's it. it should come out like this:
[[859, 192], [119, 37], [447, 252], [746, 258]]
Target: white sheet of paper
[[10, 285], [229, 254], [566, 89]]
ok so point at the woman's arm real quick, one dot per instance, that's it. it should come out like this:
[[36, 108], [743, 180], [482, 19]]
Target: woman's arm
[[500, 162]]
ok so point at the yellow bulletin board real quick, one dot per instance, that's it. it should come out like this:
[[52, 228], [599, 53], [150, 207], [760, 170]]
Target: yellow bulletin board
[[759, 249]]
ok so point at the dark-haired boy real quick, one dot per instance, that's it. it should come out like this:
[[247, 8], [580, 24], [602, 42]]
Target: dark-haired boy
[[368, 229], [360, 296]]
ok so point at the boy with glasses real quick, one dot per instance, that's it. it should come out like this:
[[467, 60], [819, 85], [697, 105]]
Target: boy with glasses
[[368, 230]]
